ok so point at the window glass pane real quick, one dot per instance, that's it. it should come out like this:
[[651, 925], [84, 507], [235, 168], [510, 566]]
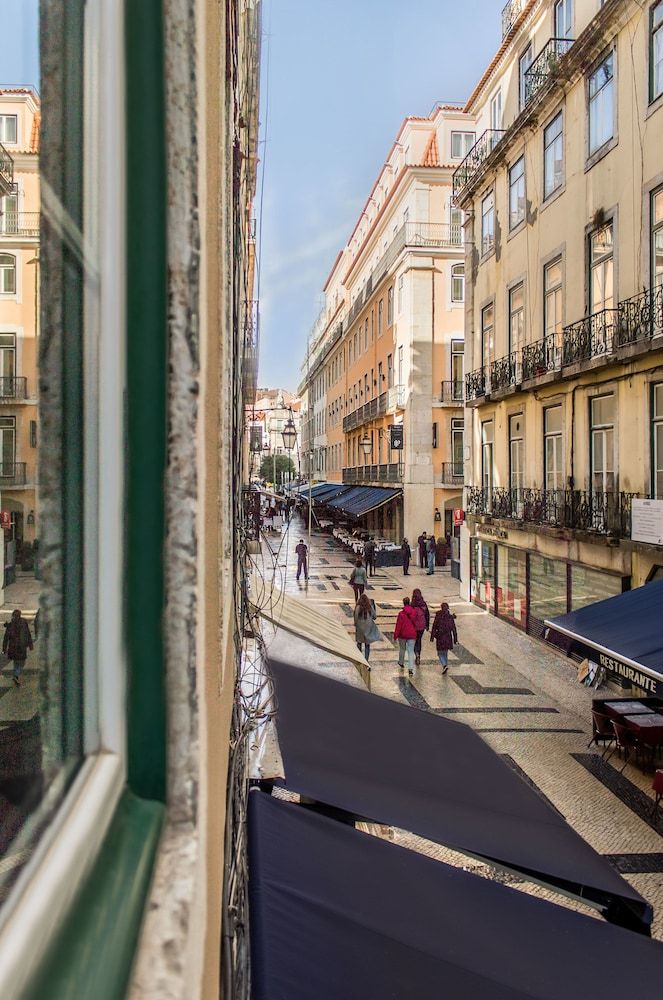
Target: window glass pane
[[517, 193], [658, 460], [658, 400], [603, 410], [547, 595], [553, 158], [8, 128], [657, 52], [601, 108], [512, 585], [553, 419], [483, 573], [589, 586]]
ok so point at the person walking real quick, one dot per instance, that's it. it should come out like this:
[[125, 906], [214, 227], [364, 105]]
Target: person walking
[[16, 643], [406, 553], [422, 623], [302, 558], [445, 635], [358, 579], [421, 542], [406, 633], [369, 556], [366, 631], [430, 552]]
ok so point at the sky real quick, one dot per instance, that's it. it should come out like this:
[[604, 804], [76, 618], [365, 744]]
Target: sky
[[19, 60], [338, 78]]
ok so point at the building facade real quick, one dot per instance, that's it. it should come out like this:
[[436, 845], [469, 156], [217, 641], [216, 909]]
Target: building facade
[[563, 202]]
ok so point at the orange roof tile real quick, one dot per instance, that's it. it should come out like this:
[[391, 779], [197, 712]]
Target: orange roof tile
[[431, 157], [34, 135]]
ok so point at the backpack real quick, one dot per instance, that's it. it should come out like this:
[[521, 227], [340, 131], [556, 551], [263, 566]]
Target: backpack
[[419, 619]]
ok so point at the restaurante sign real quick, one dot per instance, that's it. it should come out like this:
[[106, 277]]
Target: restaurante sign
[[640, 678]]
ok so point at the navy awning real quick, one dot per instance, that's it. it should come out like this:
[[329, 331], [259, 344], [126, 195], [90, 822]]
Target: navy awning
[[327, 491], [391, 763], [338, 913], [622, 634], [362, 499]]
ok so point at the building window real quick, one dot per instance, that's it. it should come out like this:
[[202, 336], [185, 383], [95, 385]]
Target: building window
[[457, 432], [487, 330], [366, 334], [657, 441], [602, 443], [657, 238], [496, 111], [380, 316], [564, 19], [380, 377], [457, 282], [390, 306], [553, 472], [601, 248], [516, 456], [552, 297], [400, 367], [601, 104], [656, 51], [9, 129], [457, 359], [487, 456], [7, 363], [401, 282], [7, 274], [456, 234], [553, 156], [517, 193], [390, 371], [488, 223], [461, 144], [7, 447], [516, 319], [524, 64]]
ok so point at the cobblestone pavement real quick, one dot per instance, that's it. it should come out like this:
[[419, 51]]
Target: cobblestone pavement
[[518, 693]]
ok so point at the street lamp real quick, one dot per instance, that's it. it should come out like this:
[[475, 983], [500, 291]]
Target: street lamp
[[289, 434], [366, 444]]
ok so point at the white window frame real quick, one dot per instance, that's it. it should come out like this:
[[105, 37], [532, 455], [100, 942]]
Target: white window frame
[[525, 60], [488, 223], [601, 104], [4, 119], [517, 193], [457, 283], [496, 110], [463, 142], [553, 180], [5, 269]]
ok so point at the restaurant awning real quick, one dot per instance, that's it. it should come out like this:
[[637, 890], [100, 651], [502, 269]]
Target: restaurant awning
[[339, 913], [390, 763], [327, 491], [362, 499], [622, 634]]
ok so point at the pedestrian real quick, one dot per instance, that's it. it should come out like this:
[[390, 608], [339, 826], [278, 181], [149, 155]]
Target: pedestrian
[[16, 643], [302, 558], [421, 542], [358, 579], [430, 551], [366, 631], [423, 621], [445, 635], [369, 556], [406, 633], [406, 553]]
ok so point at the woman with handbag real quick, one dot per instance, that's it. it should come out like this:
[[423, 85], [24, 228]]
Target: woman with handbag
[[445, 635], [366, 631]]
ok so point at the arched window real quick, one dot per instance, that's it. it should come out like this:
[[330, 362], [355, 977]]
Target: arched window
[[7, 273], [457, 282]]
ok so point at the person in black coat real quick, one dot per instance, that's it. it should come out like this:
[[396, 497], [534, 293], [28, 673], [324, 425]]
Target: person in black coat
[[16, 643], [421, 542], [369, 556], [406, 552]]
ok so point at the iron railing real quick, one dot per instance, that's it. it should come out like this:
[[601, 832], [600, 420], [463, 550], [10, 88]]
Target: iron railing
[[387, 402], [473, 162], [13, 387], [20, 224], [640, 317], [452, 473], [505, 372], [12, 474], [545, 66], [542, 357], [452, 392], [384, 473], [475, 384], [251, 340], [6, 171], [591, 337], [510, 14], [580, 510]]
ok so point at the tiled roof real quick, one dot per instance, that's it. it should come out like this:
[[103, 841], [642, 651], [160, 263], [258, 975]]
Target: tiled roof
[[431, 157], [506, 41], [34, 135]]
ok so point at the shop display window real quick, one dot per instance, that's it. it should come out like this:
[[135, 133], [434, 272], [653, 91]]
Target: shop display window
[[512, 585], [589, 586], [483, 573], [547, 587]]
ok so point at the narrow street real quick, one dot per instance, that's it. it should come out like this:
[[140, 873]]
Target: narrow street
[[517, 692]]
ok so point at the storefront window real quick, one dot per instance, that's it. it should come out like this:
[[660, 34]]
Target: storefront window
[[512, 585], [483, 573], [589, 586], [547, 589]]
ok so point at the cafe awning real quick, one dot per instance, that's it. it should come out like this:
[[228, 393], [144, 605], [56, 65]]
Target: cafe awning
[[361, 500], [339, 913], [390, 763], [622, 634], [327, 491]]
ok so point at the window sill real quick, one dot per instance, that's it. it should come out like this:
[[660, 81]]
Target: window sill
[[487, 255], [596, 157], [553, 196], [517, 229], [654, 106]]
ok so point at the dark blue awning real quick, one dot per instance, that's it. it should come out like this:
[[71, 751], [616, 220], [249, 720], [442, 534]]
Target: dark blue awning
[[624, 634], [362, 499], [338, 913], [327, 491]]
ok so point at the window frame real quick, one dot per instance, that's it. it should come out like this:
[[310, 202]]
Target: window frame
[[655, 422], [458, 277], [465, 148], [6, 269], [601, 429], [390, 306], [514, 184], [527, 53], [566, 6], [558, 437], [9, 117], [554, 289], [548, 194], [654, 230], [457, 351], [593, 267], [487, 250], [654, 32], [520, 440], [597, 152]]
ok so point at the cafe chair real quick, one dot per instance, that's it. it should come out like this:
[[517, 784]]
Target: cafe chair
[[657, 786], [625, 741], [602, 731]]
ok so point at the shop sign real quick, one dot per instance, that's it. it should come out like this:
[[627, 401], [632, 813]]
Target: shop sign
[[634, 676], [459, 517], [5, 520], [492, 531], [647, 521]]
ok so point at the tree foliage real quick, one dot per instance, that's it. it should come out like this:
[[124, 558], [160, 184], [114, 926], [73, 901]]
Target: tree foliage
[[281, 464]]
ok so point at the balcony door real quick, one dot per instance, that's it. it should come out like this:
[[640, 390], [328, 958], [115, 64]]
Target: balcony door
[[487, 441], [602, 414], [457, 356], [564, 19], [7, 447], [7, 360], [9, 212], [457, 431], [516, 461], [553, 468]]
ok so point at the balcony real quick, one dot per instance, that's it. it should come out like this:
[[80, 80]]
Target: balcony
[[546, 66], [640, 318], [20, 224], [474, 160], [505, 373], [542, 357], [591, 337], [6, 171], [475, 384], [387, 402], [13, 388], [385, 473], [452, 474], [452, 393], [251, 334], [510, 14], [579, 510], [12, 474]]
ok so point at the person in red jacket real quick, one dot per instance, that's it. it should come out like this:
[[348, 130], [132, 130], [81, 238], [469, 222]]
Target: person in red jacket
[[406, 633]]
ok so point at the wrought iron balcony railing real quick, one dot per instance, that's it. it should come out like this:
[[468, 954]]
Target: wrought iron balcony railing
[[505, 373], [542, 357], [6, 171], [510, 14], [475, 384], [579, 510], [591, 337], [13, 387], [452, 473], [472, 163], [452, 393], [384, 473], [640, 317], [20, 224], [545, 66], [12, 474]]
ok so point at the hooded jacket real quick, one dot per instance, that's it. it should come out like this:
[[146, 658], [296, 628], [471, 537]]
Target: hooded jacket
[[406, 623]]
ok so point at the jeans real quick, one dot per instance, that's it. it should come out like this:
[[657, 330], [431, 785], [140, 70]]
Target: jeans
[[301, 565], [367, 648], [406, 645], [431, 563], [443, 656], [417, 642], [18, 667], [370, 567]]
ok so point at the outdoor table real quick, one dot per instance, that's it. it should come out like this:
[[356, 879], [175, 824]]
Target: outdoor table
[[623, 708], [648, 729]]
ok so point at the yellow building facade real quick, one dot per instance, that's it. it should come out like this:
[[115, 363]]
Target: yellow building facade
[[563, 202]]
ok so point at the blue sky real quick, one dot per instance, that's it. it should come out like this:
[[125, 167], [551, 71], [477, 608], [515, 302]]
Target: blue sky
[[342, 76], [19, 60]]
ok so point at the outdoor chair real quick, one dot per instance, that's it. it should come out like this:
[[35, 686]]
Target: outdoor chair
[[602, 731], [625, 741], [657, 786]]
